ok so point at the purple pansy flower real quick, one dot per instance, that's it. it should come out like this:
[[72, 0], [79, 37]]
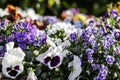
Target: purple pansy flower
[[21, 37], [23, 46]]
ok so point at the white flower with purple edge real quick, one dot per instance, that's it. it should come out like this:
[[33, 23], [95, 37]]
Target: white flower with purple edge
[[53, 57]]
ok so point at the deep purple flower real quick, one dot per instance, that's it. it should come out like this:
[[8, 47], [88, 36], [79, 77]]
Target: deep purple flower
[[54, 61], [43, 38], [74, 36], [110, 59], [21, 37], [22, 46], [31, 37]]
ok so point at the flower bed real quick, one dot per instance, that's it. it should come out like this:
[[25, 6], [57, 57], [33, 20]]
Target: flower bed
[[48, 48]]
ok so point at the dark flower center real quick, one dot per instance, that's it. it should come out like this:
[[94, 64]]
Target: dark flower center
[[54, 60], [12, 71]]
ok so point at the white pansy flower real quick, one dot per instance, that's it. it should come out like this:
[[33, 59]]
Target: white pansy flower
[[31, 75], [11, 66], [53, 57], [12, 61], [77, 69]]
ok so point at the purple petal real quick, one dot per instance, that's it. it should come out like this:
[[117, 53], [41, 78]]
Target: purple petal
[[55, 61], [17, 68], [47, 59]]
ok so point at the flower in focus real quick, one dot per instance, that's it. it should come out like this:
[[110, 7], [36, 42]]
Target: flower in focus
[[12, 61], [77, 69], [52, 58]]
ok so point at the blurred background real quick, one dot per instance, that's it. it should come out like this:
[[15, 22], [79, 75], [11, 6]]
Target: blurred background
[[55, 7]]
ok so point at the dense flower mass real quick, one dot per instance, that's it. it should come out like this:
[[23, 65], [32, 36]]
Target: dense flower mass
[[47, 48]]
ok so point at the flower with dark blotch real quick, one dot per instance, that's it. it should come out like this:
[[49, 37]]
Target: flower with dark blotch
[[110, 59], [12, 61], [74, 36], [53, 57], [21, 36]]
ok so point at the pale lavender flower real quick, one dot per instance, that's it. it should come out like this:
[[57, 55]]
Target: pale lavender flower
[[110, 60]]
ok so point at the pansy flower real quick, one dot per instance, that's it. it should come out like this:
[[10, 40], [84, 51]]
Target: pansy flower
[[11, 66], [12, 61], [53, 57]]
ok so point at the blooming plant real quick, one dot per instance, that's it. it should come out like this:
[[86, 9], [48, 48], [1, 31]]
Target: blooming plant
[[63, 50]]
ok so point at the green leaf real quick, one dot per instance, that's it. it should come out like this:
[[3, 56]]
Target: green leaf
[[51, 3]]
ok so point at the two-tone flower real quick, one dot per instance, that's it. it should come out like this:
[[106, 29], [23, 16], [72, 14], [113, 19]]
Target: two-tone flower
[[12, 61], [53, 57]]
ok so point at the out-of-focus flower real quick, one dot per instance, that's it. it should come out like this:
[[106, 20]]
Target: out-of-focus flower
[[110, 59], [31, 75], [77, 69]]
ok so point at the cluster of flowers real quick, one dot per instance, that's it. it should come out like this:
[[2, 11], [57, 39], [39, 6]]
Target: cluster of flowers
[[60, 50]]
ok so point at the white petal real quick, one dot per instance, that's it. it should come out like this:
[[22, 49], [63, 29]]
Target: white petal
[[31, 75], [10, 46], [41, 57], [17, 52], [76, 68]]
